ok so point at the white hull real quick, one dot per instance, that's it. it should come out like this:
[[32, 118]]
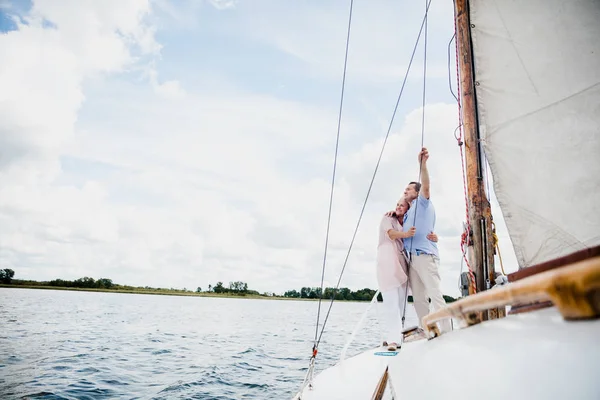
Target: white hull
[[354, 378], [535, 355]]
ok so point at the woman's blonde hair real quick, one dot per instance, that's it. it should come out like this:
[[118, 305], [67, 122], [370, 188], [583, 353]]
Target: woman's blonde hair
[[403, 200]]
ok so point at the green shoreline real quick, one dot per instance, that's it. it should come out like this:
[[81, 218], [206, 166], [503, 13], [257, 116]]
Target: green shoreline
[[169, 292], [174, 293], [236, 289]]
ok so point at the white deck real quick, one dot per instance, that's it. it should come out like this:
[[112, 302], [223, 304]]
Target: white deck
[[535, 355], [354, 378]]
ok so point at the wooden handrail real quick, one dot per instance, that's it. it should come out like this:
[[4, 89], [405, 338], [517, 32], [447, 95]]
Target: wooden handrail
[[381, 385], [559, 262], [574, 289]]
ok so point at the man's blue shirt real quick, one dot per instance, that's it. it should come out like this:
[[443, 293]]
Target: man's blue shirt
[[424, 223]]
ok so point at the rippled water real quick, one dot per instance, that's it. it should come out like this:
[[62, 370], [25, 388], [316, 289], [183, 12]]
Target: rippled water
[[82, 345]]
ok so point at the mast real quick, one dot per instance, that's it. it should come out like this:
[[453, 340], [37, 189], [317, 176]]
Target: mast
[[480, 246]]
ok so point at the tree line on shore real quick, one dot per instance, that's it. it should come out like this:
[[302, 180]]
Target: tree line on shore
[[236, 288], [365, 294]]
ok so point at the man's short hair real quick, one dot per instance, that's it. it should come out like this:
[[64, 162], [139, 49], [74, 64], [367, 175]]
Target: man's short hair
[[417, 186]]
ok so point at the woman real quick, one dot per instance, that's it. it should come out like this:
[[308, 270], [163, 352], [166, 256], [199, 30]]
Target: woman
[[392, 270]]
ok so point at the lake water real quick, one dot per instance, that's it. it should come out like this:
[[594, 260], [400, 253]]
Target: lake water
[[84, 345]]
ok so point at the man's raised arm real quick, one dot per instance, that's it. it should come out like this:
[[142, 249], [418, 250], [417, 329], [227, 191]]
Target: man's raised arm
[[425, 186]]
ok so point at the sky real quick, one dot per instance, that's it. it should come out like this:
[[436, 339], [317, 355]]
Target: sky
[[181, 143]]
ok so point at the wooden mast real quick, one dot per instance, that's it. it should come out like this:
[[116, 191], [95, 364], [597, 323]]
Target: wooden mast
[[481, 247]]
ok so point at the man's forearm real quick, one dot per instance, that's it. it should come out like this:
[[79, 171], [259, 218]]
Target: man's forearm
[[425, 180]]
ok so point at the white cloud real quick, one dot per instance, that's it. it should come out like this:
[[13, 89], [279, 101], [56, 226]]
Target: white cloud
[[223, 4], [46, 66], [382, 37], [170, 89]]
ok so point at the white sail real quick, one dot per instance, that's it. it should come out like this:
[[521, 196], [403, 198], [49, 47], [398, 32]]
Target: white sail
[[537, 73]]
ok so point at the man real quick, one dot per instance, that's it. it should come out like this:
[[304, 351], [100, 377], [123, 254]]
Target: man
[[424, 266]]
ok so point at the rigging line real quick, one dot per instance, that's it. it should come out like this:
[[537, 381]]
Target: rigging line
[[376, 169], [449, 72], [334, 167], [420, 169], [453, 38], [458, 128], [462, 262]]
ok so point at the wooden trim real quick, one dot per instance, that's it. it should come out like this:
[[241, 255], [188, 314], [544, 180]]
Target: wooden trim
[[536, 305], [573, 289], [547, 266], [381, 385], [556, 263]]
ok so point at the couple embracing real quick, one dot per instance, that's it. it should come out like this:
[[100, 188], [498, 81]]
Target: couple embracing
[[407, 256]]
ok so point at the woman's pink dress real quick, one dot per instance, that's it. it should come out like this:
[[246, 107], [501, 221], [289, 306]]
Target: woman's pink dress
[[391, 264]]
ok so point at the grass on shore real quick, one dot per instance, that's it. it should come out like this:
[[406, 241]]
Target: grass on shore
[[164, 292]]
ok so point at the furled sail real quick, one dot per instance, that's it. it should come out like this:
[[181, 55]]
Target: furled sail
[[537, 74]]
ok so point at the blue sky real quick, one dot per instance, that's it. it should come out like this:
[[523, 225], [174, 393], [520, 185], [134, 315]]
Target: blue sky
[[177, 144]]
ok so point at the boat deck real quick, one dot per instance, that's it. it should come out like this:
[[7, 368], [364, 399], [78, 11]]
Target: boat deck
[[356, 377], [535, 355]]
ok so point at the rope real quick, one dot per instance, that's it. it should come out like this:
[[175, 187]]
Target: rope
[[462, 263], [465, 236], [495, 243], [357, 327], [333, 177], [374, 173], [409, 264]]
